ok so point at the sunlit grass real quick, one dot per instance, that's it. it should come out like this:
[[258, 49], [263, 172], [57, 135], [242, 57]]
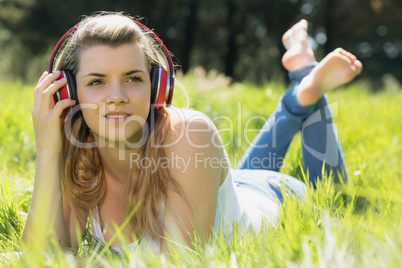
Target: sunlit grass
[[352, 225]]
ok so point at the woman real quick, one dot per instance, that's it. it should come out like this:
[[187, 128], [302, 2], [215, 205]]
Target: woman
[[167, 171]]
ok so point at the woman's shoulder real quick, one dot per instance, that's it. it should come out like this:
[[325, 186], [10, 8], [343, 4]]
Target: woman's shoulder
[[185, 117], [193, 127], [196, 141]]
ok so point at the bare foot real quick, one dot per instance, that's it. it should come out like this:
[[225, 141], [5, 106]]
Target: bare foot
[[299, 52], [337, 68]]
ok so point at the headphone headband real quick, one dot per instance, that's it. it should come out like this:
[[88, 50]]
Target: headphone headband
[[158, 41]]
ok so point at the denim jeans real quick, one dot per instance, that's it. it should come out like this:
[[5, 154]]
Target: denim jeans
[[321, 150]]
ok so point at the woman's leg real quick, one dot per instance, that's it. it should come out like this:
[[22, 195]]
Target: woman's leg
[[269, 147], [304, 107], [320, 145]]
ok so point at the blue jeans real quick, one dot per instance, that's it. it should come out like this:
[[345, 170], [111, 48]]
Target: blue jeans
[[321, 150]]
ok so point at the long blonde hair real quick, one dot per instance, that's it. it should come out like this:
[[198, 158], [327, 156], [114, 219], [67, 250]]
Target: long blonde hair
[[83, 181]]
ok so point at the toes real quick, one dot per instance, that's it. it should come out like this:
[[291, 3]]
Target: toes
[[303, 23], [355, 69], [297, 33], [359, 66], [347, 54], [339, 50], [350, 56]]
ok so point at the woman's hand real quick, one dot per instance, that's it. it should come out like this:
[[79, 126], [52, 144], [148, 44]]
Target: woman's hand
[[46, 120], [46, 211]]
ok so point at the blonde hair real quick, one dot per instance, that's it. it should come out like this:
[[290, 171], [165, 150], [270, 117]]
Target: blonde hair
[[83, 181]]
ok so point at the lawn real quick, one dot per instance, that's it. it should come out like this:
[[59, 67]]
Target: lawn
[[354, 225]]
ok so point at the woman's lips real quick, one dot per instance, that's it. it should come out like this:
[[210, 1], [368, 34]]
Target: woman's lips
[[117, 117]]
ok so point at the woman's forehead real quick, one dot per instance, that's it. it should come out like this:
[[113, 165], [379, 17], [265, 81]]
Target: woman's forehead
[[108, 58]]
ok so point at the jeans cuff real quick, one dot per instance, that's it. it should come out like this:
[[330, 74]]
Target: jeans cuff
[[292, 105], [298, 75]]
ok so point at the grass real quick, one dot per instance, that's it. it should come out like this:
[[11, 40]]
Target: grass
[[358, 224]]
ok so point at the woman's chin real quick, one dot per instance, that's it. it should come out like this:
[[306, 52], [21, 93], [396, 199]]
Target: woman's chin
[[121, 141]]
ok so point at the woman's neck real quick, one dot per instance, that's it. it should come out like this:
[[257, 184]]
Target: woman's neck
[[118, 163]]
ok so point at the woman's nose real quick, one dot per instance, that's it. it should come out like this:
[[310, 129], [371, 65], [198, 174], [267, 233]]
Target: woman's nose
[[117, 95]]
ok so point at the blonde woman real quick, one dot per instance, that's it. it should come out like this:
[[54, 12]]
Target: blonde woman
[[117, 156]]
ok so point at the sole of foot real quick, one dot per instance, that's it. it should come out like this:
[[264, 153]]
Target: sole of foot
[[337, 68]]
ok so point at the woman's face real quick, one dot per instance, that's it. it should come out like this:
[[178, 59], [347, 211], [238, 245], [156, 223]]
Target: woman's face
[[114, 91]]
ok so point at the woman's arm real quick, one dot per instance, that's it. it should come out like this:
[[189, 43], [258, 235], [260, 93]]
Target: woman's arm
[[46, 210], [200, 165]]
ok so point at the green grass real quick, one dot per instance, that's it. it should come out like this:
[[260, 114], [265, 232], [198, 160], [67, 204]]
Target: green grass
[[355, 225]]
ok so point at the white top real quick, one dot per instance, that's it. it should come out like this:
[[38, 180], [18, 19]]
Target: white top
[[246, 197], [144, 244], [250, 197]]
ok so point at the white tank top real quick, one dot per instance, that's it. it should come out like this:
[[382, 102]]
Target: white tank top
[[144, 244]]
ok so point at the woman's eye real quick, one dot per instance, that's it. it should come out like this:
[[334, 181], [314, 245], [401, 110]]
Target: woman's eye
[[95, 83], [134, 79]]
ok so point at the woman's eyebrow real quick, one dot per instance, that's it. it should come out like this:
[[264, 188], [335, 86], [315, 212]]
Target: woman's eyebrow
[[133, 72], [95, 74], [104, 75]]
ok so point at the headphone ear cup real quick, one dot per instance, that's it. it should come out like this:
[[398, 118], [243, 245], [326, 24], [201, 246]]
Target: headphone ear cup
[[69, 91], [71, 85], [159, 86], [154, 83]]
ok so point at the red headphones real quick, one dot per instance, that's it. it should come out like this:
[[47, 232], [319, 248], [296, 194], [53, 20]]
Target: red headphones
[[162, 84]]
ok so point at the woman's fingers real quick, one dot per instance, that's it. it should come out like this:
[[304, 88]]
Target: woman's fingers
[[60, 106], [44, 81], [43, 94], [48, 93], [42, 77], [49, 79]]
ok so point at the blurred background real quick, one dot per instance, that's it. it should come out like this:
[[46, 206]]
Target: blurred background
[[241, 39]]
